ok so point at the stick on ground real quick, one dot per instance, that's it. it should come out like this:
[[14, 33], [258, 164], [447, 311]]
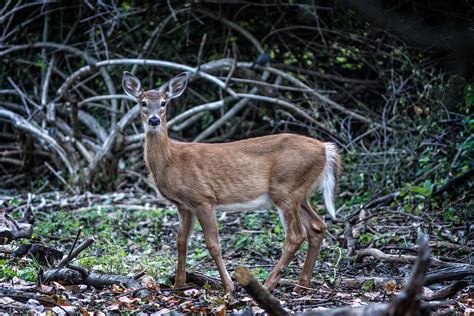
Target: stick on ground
[[260, 294]]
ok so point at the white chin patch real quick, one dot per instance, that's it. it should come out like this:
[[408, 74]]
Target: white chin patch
[[150, 129]]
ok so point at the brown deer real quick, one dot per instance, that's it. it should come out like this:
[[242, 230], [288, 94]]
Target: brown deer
[[280, 170]]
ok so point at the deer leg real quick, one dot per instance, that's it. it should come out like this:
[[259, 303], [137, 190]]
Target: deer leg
[[210, 230], [186, 225], [315, 229], [294, 237]]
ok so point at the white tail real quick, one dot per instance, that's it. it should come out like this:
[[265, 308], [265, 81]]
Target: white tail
[[329, 178]]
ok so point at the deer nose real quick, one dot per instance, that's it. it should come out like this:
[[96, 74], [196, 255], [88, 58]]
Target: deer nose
[[154, 121]]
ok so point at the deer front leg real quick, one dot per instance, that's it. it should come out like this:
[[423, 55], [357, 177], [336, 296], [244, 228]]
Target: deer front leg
[[186, 225], [208, 221]]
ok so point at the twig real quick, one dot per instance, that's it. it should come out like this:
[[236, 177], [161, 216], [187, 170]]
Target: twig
[[381, 256], [454, 182], [73, 254], [201, 49]]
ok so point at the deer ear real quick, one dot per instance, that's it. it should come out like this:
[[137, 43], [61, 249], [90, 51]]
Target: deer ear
[[177, 85], [131, 85]]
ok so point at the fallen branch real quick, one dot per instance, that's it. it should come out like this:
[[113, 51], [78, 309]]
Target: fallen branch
[[10, 229], [450, 273], [95, 279], [454, 182], [201, 279], [381, 256], [21, 123], [260, 294], [75, 252], [447, 291]]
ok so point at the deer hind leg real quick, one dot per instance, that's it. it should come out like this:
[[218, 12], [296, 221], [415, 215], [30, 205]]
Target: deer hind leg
[[315, 229], [294, 237], [208, 221], [186, 225]]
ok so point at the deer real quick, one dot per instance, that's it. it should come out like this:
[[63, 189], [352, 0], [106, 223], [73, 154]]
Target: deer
[[280, 170]]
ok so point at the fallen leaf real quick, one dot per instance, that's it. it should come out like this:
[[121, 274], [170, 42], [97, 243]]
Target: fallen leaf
[[45, 289], [58, 286], [113, 307], [149, 283], [221, 310], [192, 292], [127, 300], [117, 288], [390, 286]]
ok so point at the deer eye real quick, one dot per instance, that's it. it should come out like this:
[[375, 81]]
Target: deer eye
[[144, 104], [162, 103]]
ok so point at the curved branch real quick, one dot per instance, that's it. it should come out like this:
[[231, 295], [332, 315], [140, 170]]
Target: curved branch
[[19, 122], [321, 97], [89, 59], [223, 63], [106, 149]]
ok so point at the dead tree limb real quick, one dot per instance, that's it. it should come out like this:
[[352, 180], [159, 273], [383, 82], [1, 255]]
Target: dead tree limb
[[260, 294], [11, 229], [95, 279], [201, 279], [454, 182], [381, 256], [75, 252], [21, 123], [447, 291], [449, 273]]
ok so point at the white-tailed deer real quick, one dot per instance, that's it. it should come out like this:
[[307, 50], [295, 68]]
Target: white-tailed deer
[[280, 170]]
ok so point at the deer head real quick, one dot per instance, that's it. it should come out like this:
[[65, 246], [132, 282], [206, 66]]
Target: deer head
[[153, 103]]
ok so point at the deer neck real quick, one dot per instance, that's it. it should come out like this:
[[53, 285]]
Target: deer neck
[[157, 152]]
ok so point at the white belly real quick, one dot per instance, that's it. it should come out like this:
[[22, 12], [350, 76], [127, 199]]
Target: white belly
[[263, 201]]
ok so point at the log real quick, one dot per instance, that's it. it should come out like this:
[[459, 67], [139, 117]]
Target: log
[[98, 280], [447, 291], [201, 279], [45, 255], [450, 273]]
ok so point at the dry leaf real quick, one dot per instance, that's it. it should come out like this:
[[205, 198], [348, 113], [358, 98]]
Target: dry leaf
[[127, 300], [221, 310], [45, 289], [192, 292], [58, 286], [390, 287], [117, 289], [113, 307]]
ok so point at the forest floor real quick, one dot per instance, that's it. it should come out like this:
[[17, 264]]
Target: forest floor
[[132, 236]]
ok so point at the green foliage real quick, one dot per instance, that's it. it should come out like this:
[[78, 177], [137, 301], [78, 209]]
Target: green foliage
[[6, 270], [424, 191]]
